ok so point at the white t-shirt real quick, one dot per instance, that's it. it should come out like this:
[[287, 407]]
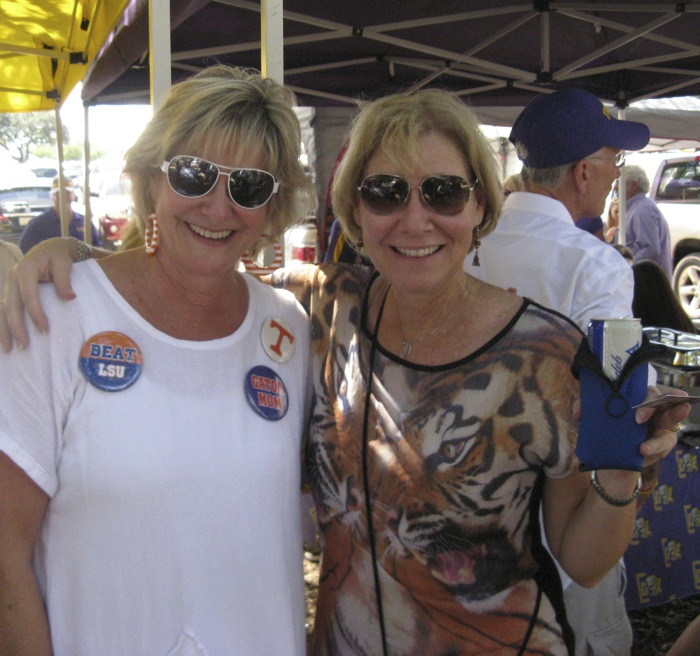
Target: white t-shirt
[[537, 249], [174, 522]]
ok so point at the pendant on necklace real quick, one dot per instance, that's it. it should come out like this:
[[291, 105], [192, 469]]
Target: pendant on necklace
[[406, 349]]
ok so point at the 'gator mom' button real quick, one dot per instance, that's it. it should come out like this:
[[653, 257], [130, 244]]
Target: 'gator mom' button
[[111, 361], [266, 393]]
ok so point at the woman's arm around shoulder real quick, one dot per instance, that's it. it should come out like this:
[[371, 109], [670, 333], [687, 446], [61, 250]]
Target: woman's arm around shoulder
[[49, 261]]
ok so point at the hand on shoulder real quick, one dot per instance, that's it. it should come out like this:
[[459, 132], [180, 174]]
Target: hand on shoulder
[[49, 261]]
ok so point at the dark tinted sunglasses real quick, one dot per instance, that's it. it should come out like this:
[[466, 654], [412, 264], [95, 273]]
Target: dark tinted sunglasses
[[384, 194], [193, 177]]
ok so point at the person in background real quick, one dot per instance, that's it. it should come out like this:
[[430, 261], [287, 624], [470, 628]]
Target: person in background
[[592, 224], [10, 254], [572, 151], [568, 171], [150, 469], [443, 411], [339, 249], [655, 302], [646, 231], [48, 223], [613, 222]]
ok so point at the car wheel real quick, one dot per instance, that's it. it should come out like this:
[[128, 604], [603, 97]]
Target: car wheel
[[686, 284]]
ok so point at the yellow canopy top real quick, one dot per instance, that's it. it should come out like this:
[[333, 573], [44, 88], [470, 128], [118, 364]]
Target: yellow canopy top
[[46, 47]]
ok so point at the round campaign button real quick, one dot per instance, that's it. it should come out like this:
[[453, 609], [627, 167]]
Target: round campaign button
[[266, 393], [277, 339], [111, 361]]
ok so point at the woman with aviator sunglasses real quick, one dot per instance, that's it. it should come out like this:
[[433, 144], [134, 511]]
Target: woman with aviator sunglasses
[[442, 411], [149, 444]]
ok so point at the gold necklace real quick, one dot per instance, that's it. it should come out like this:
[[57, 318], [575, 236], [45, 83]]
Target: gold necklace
[[408, 345]]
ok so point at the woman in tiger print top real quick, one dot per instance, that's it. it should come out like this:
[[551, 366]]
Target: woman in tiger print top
[[443, 412]]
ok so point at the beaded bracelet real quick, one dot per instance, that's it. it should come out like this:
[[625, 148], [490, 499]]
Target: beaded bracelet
[[84, 251], [619, 503]]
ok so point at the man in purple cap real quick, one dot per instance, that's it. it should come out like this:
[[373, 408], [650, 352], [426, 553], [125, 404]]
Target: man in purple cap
[[572, 151]]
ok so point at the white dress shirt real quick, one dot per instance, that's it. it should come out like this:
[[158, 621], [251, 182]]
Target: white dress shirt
[[537, 250]]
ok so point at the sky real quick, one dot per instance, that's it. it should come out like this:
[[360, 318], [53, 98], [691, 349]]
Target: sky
[[113, 128]]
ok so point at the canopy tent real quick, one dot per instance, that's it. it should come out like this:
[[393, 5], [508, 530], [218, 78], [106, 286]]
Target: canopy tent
[[45, 48], [497, 54]]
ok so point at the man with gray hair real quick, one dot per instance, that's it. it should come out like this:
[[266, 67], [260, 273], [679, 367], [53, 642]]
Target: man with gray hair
[[647, 234], [572, 151]]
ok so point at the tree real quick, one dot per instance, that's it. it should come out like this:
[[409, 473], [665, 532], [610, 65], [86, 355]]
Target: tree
[[71, 151], [19, 132]]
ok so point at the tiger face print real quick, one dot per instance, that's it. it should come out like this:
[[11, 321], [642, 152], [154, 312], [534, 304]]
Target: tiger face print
[[460, 471], [453, 455]]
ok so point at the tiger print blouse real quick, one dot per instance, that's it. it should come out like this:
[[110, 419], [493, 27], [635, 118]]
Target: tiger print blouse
[[449, 459]]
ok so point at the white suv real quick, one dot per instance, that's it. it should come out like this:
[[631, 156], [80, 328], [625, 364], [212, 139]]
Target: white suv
[[676, 191]]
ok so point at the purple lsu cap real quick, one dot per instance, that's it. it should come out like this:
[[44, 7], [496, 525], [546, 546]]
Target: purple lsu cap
[[568, 125]]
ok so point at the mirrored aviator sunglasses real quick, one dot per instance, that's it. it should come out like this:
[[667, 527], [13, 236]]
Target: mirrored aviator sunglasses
[[384, 194], [194, 177]]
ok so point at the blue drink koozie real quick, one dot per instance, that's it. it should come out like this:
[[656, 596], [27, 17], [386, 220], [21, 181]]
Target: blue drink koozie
[[609, 437]]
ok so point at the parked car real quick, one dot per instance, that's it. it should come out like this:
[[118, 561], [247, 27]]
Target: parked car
[[111, 209], [23, 202], [45, 172], [7, 228], [676, 191], [9, 218]]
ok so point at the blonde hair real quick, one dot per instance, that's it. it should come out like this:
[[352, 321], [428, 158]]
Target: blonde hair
[[396, 124], [240, 110]]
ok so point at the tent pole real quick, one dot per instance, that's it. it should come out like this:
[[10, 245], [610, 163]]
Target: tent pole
[[272, 40], [65, 216], [159, 49], [622, 195], [272, 51], [86, 181]]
